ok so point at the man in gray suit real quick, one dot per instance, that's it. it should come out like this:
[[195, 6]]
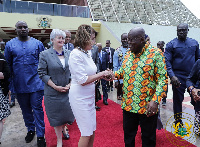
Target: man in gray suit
[[68, 45]]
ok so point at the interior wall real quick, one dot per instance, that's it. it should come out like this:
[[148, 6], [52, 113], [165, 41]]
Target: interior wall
[[59, 22], [105, 34]]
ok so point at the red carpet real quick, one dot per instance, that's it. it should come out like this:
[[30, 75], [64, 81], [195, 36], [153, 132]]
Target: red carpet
[[109, 131]]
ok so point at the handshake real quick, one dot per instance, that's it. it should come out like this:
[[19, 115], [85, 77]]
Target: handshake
[[108, 75]]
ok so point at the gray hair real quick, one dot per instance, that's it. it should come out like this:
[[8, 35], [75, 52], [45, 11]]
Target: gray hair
[[57, 32]]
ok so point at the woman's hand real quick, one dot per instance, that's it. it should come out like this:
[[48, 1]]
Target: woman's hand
[[108, 75], [195, 95], [61, 89]]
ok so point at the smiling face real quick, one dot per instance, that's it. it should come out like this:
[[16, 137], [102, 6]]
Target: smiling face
[[58, 41], [21, 29], [68, 37]]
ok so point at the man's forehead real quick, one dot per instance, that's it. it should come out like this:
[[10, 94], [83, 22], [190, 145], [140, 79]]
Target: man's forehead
[[124, 36], [21, 23], [182, 26]]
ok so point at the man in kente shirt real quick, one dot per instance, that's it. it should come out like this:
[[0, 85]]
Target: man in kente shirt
[[145, 81]]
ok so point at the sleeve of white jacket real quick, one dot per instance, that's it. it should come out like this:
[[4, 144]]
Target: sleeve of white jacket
[[77, 68]]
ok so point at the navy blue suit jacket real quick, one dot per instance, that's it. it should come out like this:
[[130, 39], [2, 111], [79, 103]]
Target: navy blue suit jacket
[[69, 46], [103, 63]]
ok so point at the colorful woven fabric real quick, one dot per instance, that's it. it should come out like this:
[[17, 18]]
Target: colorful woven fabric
[[144, 77]]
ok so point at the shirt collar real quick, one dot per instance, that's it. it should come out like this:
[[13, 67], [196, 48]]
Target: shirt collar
[[143, 49]]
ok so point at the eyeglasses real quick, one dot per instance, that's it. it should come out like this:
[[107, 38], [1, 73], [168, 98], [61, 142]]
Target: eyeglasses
[[135, 38]]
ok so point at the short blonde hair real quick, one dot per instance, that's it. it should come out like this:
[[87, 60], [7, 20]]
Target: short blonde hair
[[83, 36]]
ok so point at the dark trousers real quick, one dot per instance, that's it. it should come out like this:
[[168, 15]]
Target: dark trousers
[[32, 111], [110, 83], [104, 89], [148, 128], [119, 89], [178, 97], [13, 97]]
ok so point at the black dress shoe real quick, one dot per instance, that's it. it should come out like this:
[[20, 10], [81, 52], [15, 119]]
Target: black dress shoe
[[111, 89], [66, 136], [12, 104], [41, 142], [97, 108], [29, 137], [105, 102]]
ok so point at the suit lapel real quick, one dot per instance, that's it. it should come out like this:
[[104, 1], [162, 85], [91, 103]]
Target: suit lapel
[[55, 56]]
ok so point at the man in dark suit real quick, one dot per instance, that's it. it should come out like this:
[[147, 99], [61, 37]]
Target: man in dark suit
[[68, 45], [103, 65], [95, 56], [110, 52]]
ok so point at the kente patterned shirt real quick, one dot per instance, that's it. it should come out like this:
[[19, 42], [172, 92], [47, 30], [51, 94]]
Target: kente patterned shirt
[[144, 77]]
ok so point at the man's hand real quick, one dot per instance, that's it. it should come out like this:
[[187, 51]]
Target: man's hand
[[152, 108], [116, 84], [175, 81]]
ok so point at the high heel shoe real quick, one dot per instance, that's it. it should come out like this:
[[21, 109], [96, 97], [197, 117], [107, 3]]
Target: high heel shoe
[[66, 136]]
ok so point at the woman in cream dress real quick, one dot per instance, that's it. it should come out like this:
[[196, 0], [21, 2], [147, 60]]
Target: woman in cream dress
[[82, 91]]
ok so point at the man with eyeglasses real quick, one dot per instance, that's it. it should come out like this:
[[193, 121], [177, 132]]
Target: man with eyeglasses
[[22, 55], [144, 82], [181, 54]]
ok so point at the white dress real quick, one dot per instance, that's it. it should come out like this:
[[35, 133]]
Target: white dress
[[82, 98]]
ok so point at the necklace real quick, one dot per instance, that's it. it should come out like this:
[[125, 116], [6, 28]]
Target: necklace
[[86, 52], [59, 54]]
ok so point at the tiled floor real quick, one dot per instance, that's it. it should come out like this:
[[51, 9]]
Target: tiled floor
[[166, 113]]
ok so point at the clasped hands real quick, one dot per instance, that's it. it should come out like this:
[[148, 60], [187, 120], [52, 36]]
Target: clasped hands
[[63, 89], [108, 75]]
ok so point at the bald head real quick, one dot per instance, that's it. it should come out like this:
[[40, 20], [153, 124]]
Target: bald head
[[138, 31], [20, 22], [136, 38]]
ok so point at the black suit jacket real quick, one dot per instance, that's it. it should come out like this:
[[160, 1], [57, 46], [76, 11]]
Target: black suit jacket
[[112, 50], [95, 56]]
